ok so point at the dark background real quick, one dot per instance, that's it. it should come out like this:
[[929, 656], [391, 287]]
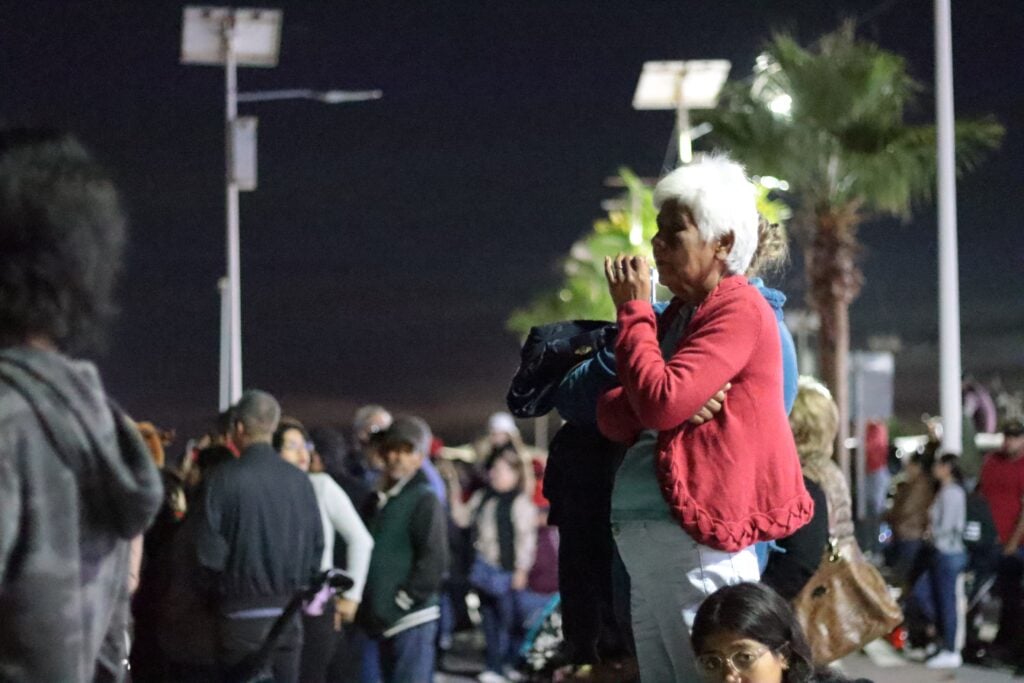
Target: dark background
[[388, 241]]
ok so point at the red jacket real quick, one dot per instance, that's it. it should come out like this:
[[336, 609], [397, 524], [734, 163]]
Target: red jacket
[[736, 479]]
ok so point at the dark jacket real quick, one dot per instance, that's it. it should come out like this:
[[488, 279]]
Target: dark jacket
[[186, 622], [76, 485], [790, 568], [579, 475], [410, 556], [548, 353], [261, 532]]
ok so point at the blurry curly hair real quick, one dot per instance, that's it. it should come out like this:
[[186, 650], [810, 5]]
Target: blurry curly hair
[[62, 233], [772, 253], [814, 420]]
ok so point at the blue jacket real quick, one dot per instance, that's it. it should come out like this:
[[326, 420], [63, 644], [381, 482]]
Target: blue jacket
[[790, 373]]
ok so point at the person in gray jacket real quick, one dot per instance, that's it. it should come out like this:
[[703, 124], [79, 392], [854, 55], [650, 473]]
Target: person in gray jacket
[[937, 591], [76, 481]]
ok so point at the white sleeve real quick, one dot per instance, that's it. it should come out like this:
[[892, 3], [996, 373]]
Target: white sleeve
[[358, 542], [524, 521]]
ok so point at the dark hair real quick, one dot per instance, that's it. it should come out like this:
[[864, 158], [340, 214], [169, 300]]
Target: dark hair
[[212, 456], [332, 447], [924, 459], [283, 426], [953, 461], [224, 423], [62, 234], [511, 456], [755, 611]]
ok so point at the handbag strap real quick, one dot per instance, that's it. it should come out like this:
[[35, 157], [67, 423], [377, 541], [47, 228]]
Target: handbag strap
[[832, 549]]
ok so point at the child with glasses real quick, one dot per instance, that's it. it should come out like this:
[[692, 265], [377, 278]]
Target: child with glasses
[[748, 632]]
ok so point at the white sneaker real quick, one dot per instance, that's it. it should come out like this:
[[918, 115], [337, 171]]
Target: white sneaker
[[491, 677], [920, 654], [945, 660]]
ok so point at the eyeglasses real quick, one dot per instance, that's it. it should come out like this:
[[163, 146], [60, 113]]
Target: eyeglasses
[[739, 661]]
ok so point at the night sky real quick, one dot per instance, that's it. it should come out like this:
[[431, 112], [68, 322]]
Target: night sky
[[388, 241]]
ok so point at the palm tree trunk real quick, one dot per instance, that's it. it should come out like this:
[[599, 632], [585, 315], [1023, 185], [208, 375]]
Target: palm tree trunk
[[834, 350], [834, 281]]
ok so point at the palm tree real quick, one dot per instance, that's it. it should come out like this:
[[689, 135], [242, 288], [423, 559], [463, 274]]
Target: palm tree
[[583, 292], [829, 120]]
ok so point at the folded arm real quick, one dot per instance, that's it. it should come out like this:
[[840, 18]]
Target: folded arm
[[664, 395]]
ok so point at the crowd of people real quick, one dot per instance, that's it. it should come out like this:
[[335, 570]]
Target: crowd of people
[[670, 532], [944, 525]]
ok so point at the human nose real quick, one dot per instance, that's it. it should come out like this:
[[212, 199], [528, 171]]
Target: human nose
[[657, 249], [732, 675], [732, 672]]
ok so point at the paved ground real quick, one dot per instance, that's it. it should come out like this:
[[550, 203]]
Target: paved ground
[[466, 661], [861, 666]]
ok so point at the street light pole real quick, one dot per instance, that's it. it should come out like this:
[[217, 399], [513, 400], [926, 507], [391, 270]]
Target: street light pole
[[951, 404], [683, 128], [234, 328], [241, 37]]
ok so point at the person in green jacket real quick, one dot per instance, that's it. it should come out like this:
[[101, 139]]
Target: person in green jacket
[[400, 601]]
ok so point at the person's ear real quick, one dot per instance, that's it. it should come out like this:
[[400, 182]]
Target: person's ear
[[724, 247]]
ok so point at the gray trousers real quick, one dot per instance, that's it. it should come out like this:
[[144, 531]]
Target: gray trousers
[[670, 575]]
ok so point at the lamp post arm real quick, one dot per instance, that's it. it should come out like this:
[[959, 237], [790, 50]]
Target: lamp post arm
[[266, 95], [326, 96]]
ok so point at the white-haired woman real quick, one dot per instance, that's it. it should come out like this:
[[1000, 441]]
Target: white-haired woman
[[729, 482]]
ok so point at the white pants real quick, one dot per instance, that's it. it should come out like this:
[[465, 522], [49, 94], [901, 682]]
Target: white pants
[[670, 575]]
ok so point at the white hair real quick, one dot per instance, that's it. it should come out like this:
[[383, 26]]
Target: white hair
[[721, 199]]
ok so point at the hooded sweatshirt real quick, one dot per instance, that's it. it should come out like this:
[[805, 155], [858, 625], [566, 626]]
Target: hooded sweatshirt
[[76, 485]]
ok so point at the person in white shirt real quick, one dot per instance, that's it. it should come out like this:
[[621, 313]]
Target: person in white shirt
[[321, 625]]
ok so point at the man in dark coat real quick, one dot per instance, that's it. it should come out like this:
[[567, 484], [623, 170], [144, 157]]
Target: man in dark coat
[[262, 538]]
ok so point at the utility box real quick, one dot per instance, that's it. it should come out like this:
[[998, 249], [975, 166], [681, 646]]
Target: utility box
[[243, 153]]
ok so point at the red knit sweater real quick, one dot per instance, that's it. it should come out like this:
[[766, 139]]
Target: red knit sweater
[[736, 479]]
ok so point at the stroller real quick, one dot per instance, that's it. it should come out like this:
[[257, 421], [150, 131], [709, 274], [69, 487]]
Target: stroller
[[982, 619], [252, 669]]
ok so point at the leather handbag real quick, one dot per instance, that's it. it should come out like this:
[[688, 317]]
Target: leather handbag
[[845, 605]]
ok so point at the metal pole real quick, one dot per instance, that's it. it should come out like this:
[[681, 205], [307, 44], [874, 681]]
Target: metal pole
[[683, 125], [860, 429], [234, 279], [225, 347], [683, 129], [951, 406]]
